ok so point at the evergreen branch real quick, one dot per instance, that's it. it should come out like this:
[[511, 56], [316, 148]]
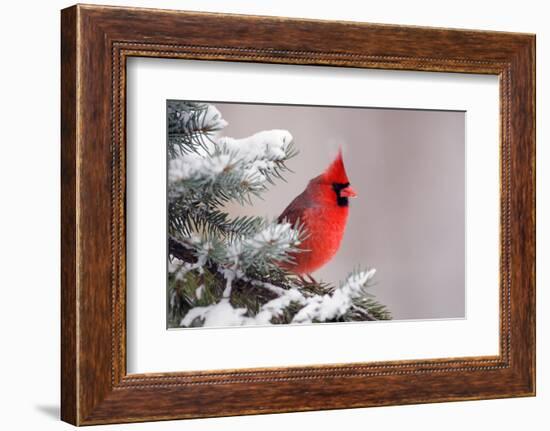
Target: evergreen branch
[[195, 218], [191, 127], [278, 297]]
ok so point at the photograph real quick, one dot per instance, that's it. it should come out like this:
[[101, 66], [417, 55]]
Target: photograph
[[324, 209], [300, 214]]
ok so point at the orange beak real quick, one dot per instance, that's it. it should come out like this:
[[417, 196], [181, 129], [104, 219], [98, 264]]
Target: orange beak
[[348, 192]]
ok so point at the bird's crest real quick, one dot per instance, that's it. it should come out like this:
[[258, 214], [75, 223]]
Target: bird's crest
[[336, 172]]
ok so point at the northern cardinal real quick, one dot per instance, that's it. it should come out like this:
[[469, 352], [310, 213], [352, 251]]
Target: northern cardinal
[[322, 208]]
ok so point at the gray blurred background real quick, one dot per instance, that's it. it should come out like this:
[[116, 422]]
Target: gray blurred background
[[408, 221]]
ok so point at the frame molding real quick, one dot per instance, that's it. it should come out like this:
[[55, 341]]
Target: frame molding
[[95, 43]]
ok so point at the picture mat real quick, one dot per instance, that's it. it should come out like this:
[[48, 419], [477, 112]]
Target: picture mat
[[152, 348]]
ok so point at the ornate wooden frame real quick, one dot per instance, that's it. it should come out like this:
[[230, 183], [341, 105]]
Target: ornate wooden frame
[[95, 43]]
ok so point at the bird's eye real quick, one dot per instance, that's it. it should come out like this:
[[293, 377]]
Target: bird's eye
[[339, 186]]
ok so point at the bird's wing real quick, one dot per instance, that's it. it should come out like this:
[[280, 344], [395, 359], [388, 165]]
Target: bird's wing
[[295, 210], [291, 216]]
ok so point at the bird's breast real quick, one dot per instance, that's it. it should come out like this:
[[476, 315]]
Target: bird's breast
[[325, 227]]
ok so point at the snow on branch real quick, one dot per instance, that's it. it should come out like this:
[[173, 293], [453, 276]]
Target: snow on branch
[[192, 127], [312, 308], [272, 244], [220, 314], [262, 251], [330, 306], [198, 167], [225, 170], [253, 160], [260, 154], [192, 118]]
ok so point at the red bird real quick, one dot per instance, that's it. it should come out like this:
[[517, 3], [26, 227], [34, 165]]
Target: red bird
[[322, 208]]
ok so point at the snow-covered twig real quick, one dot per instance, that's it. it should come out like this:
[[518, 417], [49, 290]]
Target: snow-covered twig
[[268, 247], [313, 308], [330, 306], [247, 163]]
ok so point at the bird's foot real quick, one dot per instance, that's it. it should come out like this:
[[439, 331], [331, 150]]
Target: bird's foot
[[311, 279], [307, 279], [302, 279]]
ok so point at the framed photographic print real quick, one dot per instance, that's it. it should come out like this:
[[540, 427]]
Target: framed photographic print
[[322, 214]]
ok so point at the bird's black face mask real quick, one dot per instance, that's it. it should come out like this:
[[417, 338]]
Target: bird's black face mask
[[342, 201]]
